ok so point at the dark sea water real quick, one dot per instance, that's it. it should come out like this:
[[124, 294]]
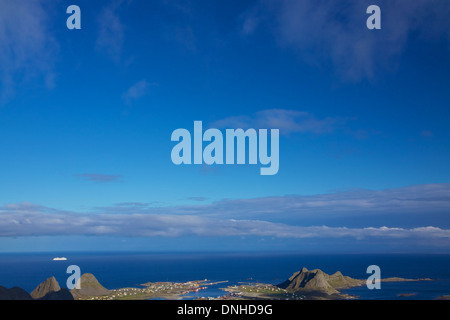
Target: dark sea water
[[116, 270]]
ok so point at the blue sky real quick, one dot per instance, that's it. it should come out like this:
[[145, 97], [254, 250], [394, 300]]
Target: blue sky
[[86, 118]]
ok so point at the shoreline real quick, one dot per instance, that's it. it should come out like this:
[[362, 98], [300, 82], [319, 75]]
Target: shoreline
[[247, 291]]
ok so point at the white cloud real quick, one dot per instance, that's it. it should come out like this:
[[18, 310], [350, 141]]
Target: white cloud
[[111, 32], [288, 121], [27, 47], [97, 177], [137, 90], [334, 34]]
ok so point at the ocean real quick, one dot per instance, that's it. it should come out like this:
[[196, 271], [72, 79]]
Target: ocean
[[117, 270]]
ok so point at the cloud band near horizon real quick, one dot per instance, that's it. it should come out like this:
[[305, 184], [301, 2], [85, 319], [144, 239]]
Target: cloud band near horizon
[[26, 219], [30, 220]]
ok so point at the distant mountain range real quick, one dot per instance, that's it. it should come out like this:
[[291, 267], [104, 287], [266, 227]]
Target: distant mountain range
[[50, 290], [15, 293], [47, 290], [314, 283]]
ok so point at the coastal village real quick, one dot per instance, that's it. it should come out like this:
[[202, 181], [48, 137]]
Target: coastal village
[[163, 290], [184, 290]]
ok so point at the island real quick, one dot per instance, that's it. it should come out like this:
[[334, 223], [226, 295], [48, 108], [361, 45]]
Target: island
[[305, 285]]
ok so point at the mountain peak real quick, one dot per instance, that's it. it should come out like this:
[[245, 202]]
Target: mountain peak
[[89, 286], [319, 281], [48, 286]]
